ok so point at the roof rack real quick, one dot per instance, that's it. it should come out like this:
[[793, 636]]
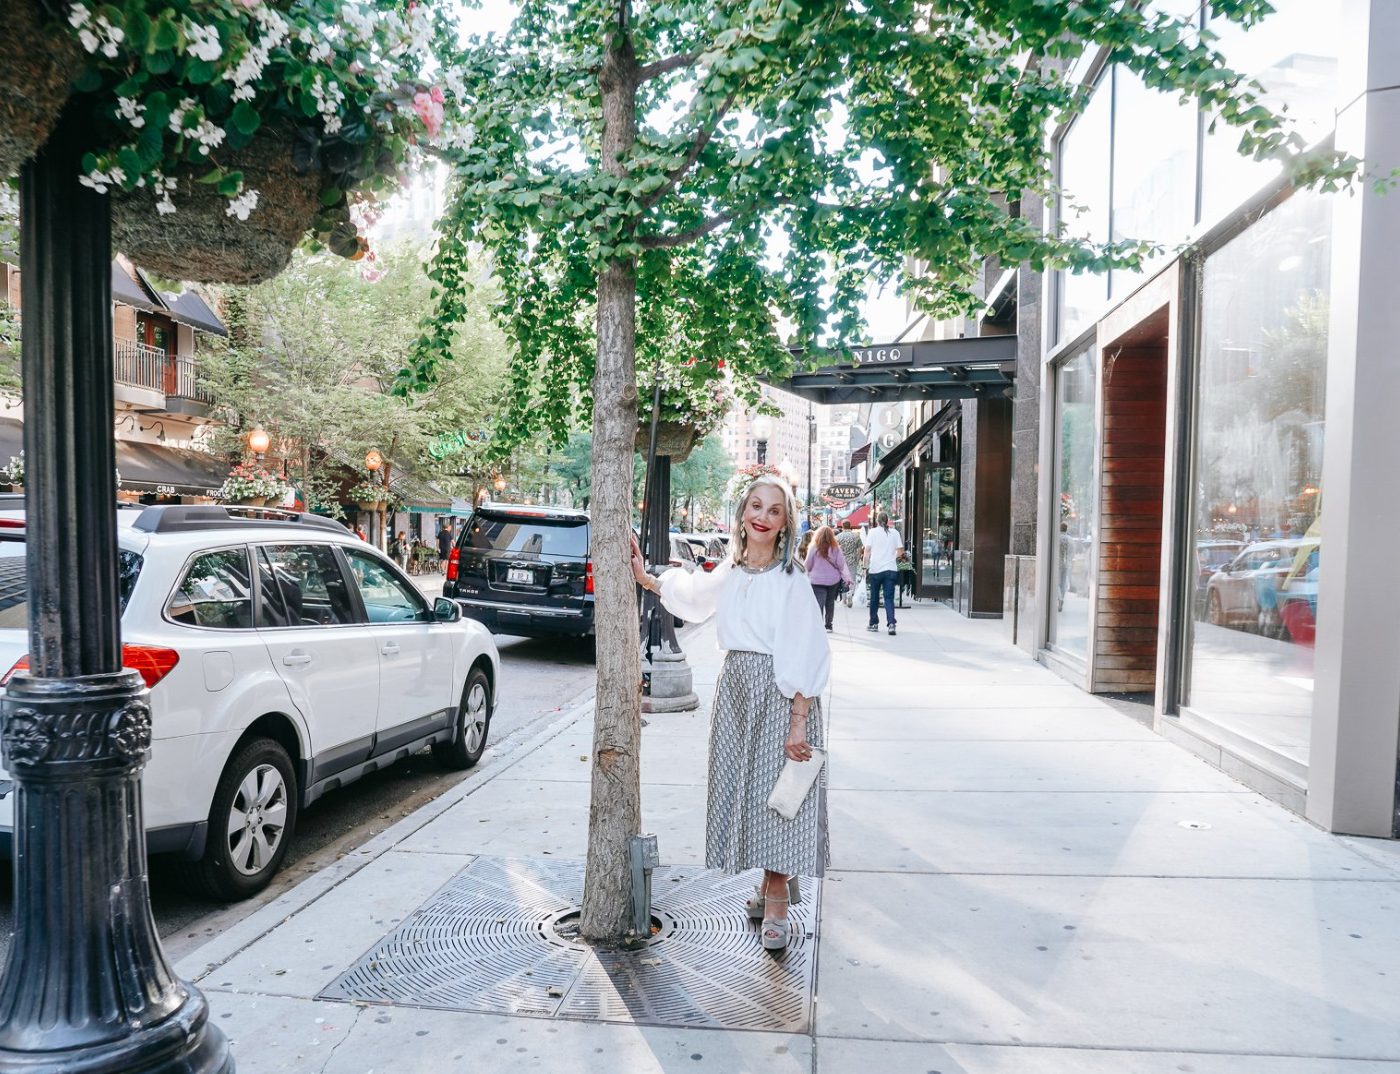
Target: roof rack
[[174, 518], [542, 510]]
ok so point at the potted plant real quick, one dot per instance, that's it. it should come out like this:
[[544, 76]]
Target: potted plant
[[39, 59], [12, 474], [226, 132], [689, 412], [369, 496], [252, 486]]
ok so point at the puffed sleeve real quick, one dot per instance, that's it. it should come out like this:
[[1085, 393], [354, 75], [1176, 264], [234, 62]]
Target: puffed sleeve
[[801, 653], [694, 595]]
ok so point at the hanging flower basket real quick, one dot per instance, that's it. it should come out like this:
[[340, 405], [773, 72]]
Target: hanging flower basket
[[250, 485], [251, 501], [373, 506], [38, 62], [368, 496], [673, 438], [204, 240]]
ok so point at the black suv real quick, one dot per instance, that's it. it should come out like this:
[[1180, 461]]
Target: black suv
[[524, 570]]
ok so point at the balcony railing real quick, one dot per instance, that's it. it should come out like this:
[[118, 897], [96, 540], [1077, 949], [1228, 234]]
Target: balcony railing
[[142, 366]]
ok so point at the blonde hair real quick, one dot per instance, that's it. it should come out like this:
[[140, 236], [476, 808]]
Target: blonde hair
[[786, 549]]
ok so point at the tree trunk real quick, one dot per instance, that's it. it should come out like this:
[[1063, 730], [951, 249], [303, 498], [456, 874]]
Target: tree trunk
[[615, 809]]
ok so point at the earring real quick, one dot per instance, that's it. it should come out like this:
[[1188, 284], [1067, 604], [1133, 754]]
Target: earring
[[743, 533]]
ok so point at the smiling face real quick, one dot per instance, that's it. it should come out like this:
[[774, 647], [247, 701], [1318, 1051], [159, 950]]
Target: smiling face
[[763, 517]]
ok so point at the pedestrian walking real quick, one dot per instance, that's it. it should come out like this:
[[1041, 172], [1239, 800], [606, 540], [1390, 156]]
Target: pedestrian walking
[[882, 569], [766, 707], [444, 543], [804, 546], [398, 550], [851, 545], [827, 571]]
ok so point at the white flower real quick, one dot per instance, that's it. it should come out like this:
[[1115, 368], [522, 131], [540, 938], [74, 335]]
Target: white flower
[[78, 15], [102, 181], [89, 40], [204, 42], [242, 205], [178, 113], [130, 110]]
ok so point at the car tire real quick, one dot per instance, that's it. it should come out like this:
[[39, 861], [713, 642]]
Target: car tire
[[1214, 612], [258, 783], [473, 723]]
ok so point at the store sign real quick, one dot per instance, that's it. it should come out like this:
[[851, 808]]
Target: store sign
[[899, 355], [889, 417], [888, 441], [842, 492], [453, 443]]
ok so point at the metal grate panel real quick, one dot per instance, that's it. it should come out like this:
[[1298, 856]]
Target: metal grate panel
[[487, 942]]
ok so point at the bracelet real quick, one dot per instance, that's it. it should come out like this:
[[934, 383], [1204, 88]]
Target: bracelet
[[797, 715]]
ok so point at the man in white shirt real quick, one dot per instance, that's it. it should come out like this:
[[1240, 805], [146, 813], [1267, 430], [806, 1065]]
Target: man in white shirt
[[882, 549]]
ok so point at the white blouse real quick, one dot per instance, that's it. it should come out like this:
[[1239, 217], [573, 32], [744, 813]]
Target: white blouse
[[770, 612]]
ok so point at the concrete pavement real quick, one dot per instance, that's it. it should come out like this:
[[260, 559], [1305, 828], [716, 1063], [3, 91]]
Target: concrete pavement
[[1023, 881]]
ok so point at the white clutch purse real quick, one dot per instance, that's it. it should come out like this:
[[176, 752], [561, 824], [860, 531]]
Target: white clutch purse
[[794, 784]]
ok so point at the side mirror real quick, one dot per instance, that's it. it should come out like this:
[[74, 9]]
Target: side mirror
[[446, 610]]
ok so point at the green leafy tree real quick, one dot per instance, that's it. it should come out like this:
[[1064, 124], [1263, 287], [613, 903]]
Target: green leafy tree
[[313, 353], [657, 183], [699, 483]]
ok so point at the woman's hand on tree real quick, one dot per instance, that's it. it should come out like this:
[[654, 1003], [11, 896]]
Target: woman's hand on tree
[[639, 567]]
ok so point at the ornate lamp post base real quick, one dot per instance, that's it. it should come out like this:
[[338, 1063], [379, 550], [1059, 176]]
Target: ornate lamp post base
[[86, 987]]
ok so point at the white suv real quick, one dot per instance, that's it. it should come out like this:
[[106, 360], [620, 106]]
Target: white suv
[[286, 658]]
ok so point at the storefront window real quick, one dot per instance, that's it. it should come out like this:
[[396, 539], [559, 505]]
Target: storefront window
[[1154, 172], [1259, 495], [1084, 170], [1077, 484], [1293, 54]]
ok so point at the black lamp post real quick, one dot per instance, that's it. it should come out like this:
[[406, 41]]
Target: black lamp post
[[86, 987]]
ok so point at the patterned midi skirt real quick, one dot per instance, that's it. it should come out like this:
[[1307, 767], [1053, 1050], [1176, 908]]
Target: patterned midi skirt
[[747, 731]]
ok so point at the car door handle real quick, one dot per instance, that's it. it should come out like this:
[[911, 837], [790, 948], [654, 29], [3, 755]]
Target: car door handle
[[295, 658], [390, 649]]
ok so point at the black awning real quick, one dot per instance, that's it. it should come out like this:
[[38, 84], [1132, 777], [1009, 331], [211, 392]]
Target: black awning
[[131, 293], [977, 368], [890, 460], [169, 470], [188, 308]]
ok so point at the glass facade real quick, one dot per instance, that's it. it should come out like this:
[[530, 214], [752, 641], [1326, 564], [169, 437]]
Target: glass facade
[[1293, 54], [1076, 481], [1258, 476], [1084, 176]]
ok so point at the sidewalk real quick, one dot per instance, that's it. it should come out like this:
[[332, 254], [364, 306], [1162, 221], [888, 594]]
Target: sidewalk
[[1024, 882]]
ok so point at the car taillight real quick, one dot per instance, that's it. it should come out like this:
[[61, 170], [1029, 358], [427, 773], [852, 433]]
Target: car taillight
[[588, 579], [708, 565], [452, 564], [152, 662]]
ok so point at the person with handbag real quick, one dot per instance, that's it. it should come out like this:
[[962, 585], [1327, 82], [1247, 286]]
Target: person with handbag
[[852, 546], [766, 709], [827, 571]]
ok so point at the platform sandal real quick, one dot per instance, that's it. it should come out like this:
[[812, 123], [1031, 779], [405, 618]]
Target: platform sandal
[[776, 932], [753, 905]]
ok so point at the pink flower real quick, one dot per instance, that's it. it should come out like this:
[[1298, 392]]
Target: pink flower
[[429, 111], [436, 94]]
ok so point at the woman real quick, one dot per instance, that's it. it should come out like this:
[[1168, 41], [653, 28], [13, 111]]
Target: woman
[[766, 707], [827, 570]]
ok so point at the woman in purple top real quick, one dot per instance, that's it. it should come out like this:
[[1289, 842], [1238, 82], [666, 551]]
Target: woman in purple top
[[826, 570]]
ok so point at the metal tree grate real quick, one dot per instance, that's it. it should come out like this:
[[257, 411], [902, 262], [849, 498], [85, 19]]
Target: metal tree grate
[[487, 942]]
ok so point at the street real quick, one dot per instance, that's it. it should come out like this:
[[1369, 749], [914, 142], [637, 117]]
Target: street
[[538, 678]]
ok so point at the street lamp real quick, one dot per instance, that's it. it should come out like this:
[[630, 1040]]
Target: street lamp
[[258, 441], [762, 430], [373, 460]]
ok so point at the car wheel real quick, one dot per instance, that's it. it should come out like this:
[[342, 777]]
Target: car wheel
[[251, 822], [473, 721], [1214, 612]]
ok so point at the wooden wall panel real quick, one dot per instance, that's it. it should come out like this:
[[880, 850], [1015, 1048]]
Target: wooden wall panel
[[1130, 514]]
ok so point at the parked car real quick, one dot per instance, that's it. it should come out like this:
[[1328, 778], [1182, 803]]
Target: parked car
[[1247, 591], [524, 570], [683, 554], [709, 549], [285, 658], [1210, 557]]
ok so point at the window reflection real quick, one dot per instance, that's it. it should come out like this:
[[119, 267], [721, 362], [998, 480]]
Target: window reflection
[[1258, 511], [1293, 54], [1077, 487], [1084, 162]]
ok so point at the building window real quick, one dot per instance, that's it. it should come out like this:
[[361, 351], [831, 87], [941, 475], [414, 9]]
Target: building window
[[1258, 477], [1084, 175], [1076, 485]]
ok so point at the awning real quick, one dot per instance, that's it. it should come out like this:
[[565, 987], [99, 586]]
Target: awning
[[860, 515], [979, 368], [890, 461], [188, 308], [170, 471], [131, 293], [858, 456]]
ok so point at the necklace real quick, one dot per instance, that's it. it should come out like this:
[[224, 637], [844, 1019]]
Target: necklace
[[752, 572]]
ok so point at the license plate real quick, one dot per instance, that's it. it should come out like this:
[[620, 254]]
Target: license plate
[[520, 576]]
